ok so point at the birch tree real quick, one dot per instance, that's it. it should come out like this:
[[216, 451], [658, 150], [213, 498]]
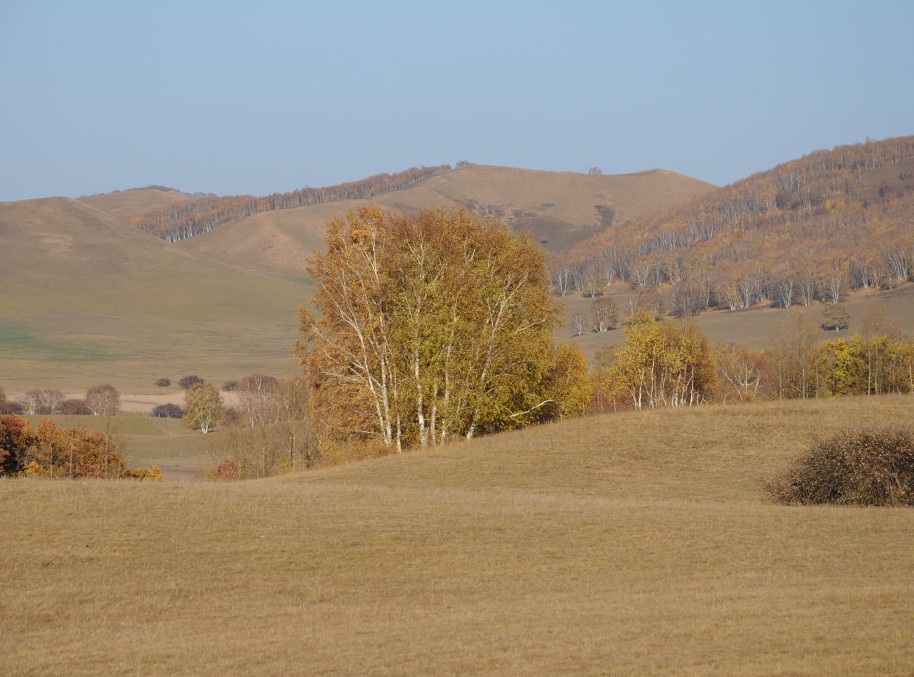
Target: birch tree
[[430, 327]]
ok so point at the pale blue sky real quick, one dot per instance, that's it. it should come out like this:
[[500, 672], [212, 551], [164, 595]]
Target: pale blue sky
[[231, 97]]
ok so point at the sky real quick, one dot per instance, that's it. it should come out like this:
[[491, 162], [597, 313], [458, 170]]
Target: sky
[[255, 98]]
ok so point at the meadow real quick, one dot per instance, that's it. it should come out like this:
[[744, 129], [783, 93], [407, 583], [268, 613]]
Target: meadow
[[634, 543]]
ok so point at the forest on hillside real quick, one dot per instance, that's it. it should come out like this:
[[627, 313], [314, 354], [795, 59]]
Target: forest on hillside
[[810, 229], [186, 219]]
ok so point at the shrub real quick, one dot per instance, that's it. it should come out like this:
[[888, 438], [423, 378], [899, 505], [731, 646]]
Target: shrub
[[163, 382], [75, 407], [226, 470], [229, 386], [153, 474], [14, 407], [167, 411], [869, 466], [188, 382]]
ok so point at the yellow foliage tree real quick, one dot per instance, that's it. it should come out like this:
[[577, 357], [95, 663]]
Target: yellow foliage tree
[[662, 365], [430, 326]]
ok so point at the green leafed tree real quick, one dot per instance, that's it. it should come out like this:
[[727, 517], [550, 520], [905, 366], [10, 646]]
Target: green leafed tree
[[835, 317], [429, 327], [203, 408]]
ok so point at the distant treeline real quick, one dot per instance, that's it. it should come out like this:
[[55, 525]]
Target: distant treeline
[[183, 220], [808, 229]]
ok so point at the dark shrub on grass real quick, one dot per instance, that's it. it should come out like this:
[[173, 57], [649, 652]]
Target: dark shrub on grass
[[168, 411], [188, 382], [867, 466], [75, 407]]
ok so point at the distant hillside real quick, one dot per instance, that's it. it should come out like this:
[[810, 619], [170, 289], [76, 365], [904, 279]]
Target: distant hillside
[[808, 229], [558, 208], [128, 204], [87, 298], [182, 220]]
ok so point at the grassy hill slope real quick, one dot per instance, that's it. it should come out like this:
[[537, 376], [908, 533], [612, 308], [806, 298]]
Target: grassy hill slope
[[558, 208], [630, 544], [87, 299], [125, 204]]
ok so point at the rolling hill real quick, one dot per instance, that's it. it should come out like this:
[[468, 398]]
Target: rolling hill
[[812, 229], [88, 298], [637, 544], [558, 209], [132, 203]]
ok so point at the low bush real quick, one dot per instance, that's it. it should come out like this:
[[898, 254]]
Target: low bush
[[167, 411], [188, 382], [75, 407], [868, 466], [152, 474]]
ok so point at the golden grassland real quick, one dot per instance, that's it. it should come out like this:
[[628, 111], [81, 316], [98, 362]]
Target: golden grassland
[[637, 543]]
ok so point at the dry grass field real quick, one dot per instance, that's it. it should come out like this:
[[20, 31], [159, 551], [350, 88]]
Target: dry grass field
[[637, 543]]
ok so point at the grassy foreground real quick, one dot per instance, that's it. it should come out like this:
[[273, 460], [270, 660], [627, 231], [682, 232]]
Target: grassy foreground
[[627, 544]]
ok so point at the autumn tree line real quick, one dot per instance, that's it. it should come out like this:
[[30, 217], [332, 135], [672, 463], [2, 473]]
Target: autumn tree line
[[438, 326], [808, 230], [182, 220]]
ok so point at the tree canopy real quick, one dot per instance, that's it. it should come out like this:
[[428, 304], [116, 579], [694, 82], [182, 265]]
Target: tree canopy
[[430, 326]]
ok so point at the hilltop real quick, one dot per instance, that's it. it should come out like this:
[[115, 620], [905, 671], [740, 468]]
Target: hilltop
[[558, 208], [88, 298], [135, 202]]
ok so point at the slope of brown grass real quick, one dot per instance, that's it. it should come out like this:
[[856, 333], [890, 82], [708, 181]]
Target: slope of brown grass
[[124, 204], [89, 299], [630, 544], [558, 208]]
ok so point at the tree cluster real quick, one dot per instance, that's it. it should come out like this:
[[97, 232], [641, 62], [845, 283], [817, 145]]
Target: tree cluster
[[273, 431], [661, 364], [430, 327], [100, 400], [50, 451]]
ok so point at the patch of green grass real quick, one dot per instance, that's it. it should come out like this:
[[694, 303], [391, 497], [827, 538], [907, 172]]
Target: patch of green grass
[[16, 341]]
